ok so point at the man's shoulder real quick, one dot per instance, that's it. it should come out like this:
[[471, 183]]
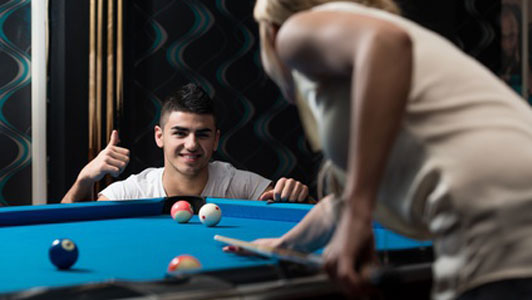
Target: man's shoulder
[[227, 170], [146, 184], [220, 166], [226, 181]]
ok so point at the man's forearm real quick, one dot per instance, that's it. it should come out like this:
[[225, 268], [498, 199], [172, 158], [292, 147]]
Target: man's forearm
[[81, 190]]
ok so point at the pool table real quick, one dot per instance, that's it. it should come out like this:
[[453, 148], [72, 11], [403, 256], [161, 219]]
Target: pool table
[[125, 248]]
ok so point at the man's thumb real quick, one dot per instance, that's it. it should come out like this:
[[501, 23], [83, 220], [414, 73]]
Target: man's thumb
[[266, 196], [114, 138]]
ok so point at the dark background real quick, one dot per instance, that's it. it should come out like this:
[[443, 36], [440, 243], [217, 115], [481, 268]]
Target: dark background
[[215, 44], [167, 44]]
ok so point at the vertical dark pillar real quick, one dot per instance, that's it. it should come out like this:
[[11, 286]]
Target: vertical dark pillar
[[67, 94]]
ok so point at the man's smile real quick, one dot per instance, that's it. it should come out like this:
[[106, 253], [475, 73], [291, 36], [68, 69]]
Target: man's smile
[[190, 156]]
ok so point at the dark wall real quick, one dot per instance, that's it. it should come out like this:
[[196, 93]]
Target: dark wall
[[215, 44], [67, 140], [473, 25]]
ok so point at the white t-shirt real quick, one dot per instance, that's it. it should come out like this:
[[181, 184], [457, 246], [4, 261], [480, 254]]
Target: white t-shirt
[[225, 181]]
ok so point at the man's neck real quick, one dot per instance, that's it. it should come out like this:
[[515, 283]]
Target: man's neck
[[178, 184]]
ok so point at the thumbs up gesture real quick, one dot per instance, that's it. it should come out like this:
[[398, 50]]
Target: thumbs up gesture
[[111, 160]]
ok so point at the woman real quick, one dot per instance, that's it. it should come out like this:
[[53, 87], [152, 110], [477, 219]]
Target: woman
[[420, 136]]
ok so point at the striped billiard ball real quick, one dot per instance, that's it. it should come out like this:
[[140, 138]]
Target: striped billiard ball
[[181, 211], [183, 262], [63, 253]]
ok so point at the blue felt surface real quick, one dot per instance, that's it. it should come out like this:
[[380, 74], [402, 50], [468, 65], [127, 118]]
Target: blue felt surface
[[290, 212], [121, 249], [115, 247]]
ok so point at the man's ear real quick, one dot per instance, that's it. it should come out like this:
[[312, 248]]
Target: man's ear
[[217, 139], [159, 140]]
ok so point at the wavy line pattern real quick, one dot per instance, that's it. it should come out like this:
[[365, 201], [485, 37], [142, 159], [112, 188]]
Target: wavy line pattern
[[214, 44], [486, 32], [287, 159], [159, 36], [22, 78], [477, 30], [175, 55], [221, 75]]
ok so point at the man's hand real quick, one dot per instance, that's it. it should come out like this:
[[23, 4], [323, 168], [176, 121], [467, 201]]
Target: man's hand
[[111, 160], [286, 190]]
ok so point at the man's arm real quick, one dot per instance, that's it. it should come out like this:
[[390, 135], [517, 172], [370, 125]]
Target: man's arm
[[286, 190], [111, 160]]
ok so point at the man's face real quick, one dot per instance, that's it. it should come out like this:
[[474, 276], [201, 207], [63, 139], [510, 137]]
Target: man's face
[[188, 141]]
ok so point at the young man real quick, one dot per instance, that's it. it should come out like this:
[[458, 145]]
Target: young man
[[188, 135], [420, 135]]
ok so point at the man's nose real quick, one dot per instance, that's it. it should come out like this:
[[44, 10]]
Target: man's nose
[[191, 143]]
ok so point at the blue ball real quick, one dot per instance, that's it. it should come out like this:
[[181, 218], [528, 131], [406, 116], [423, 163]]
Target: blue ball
[[63, 253]]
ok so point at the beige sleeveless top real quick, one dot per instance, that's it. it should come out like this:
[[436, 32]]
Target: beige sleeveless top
[[460, 172]]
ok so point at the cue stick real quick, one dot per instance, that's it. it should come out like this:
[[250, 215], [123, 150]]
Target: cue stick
[[308, 259], [110, 79], [93, 118], [119, 66], [379, 276]]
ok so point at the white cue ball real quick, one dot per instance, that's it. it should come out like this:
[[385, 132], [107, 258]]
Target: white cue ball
[[210, 214]]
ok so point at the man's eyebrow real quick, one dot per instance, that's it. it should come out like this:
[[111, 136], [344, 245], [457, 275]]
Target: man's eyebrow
[[204, 130], [201, 130], [180, 128]]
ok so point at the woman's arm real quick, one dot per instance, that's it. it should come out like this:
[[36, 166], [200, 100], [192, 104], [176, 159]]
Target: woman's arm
[[377, 57], [312, 233]]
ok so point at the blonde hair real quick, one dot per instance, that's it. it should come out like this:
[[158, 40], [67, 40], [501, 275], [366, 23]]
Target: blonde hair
[[277, 11]]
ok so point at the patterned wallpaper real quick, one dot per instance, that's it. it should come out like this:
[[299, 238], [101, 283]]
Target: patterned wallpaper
[[473, 25], [15, 102], [214, 44]]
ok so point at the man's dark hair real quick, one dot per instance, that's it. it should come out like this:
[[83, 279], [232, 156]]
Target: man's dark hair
[[189, 98]]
